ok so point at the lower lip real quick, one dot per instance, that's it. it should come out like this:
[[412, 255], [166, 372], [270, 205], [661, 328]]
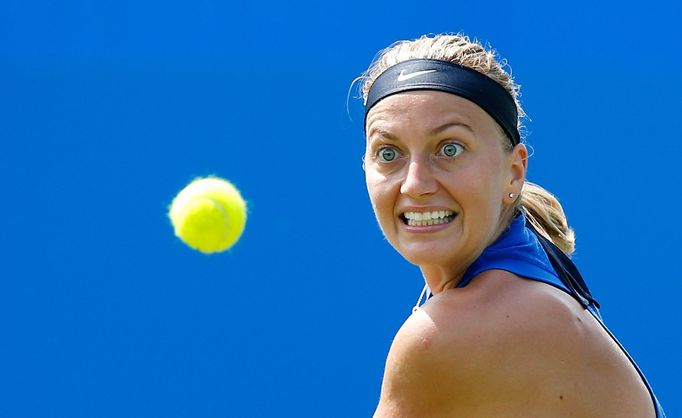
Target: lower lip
[[427, 228]]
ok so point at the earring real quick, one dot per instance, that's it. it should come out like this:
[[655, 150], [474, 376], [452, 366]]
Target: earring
[[511, 195]]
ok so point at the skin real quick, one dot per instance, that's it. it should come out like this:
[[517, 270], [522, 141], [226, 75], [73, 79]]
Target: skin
[[503, 345], [475, 184]]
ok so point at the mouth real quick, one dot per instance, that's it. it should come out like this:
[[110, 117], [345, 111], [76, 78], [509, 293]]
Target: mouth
[[437, 217]]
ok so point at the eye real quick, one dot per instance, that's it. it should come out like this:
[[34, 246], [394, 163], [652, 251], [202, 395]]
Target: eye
[[387, 154], [451, 149]]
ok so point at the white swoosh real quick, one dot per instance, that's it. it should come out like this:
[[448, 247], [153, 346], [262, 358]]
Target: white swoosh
[[402, 76]]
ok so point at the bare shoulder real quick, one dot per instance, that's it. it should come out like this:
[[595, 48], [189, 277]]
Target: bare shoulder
[[468, 349], [502, 346]]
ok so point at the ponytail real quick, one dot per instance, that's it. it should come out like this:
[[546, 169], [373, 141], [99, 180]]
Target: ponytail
[[544, 212]]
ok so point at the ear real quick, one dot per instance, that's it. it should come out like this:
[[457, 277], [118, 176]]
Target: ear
[[518, 165]]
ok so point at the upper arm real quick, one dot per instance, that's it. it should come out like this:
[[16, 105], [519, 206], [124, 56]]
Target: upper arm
[[432, 363]]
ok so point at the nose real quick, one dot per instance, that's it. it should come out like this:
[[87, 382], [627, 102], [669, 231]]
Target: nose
[[419, 181]]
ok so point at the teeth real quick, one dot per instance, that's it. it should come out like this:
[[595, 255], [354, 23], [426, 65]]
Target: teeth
[[425, 216], [429, 218], [413, 222]]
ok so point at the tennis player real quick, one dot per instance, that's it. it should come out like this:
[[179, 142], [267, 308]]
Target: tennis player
[[509, 328]]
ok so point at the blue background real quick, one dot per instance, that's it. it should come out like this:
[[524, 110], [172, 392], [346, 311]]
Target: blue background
[[107, 109]]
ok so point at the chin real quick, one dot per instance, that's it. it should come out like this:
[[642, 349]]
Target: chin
[[422, 255]]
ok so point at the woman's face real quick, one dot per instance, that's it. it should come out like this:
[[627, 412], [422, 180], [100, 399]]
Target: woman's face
[[438, 176]]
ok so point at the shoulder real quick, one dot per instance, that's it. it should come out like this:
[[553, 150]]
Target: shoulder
[[497, 310], [500, 332]]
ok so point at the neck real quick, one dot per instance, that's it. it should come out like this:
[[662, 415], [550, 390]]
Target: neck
[[442, 277], [439, 278]]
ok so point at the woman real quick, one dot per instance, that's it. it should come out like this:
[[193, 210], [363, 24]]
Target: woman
[[511, 329]]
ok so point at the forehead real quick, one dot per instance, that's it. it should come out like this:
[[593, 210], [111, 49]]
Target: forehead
[[425, 109]]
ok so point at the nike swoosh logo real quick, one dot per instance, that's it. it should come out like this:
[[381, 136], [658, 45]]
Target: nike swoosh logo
[[402, 76]]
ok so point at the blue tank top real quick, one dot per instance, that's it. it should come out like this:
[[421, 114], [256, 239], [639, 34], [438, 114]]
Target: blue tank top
[[522, 251]]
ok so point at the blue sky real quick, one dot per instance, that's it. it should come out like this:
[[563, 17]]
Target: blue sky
[[107, 109]]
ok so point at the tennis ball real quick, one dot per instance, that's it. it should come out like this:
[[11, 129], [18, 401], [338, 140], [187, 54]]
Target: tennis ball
[[209, 215]]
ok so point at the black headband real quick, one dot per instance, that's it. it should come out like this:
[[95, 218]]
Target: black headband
[[427, 74]]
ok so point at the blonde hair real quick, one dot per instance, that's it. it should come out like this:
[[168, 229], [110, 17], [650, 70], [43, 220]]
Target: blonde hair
[[541, 208]]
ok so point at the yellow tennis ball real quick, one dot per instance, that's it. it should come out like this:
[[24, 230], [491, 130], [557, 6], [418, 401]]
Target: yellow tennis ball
[[209, 214]]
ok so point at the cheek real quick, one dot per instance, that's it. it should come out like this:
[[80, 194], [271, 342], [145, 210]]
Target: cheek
[[373, 189], [381, 194], [376, 194], [481, 188]]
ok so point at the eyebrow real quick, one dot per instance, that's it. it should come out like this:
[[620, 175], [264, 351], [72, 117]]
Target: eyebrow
[[449, 125], [385, 134]]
